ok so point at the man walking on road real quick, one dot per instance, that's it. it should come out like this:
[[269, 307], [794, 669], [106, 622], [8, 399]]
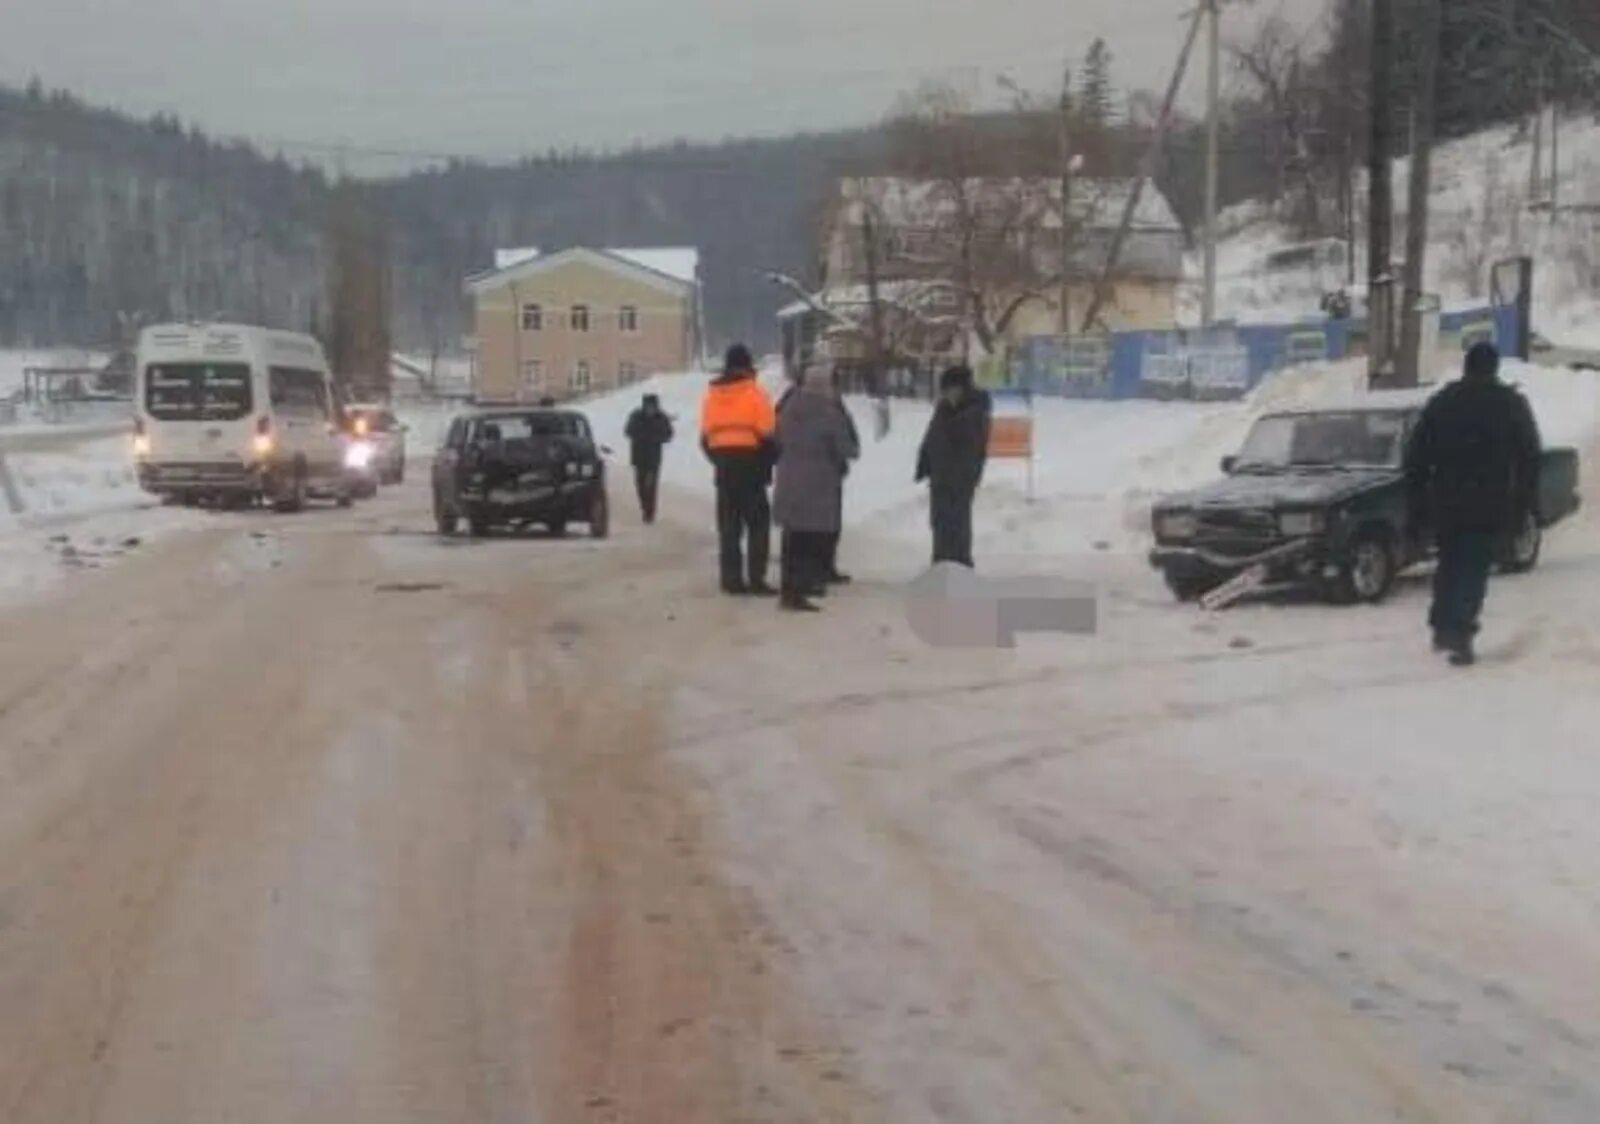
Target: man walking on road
[[649, 431], [737, 428], [952, 458], [1472, 470]]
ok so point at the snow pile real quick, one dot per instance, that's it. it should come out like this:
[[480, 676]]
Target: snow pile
[[96, 476]]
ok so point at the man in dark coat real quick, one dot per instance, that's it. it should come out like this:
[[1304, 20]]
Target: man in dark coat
[[1472, 469], [815, 447], [649, 431], [952, 458]]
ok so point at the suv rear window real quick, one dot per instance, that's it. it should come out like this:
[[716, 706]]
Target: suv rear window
[[529, 427], [198, 391]]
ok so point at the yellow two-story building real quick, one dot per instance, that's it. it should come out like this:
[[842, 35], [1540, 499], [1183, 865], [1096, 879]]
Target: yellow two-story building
[[583, 321]]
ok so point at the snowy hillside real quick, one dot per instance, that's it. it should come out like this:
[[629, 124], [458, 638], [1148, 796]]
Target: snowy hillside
[[1480, 213]]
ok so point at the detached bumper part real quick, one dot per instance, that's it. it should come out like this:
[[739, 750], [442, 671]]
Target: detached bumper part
[[1198, 558]]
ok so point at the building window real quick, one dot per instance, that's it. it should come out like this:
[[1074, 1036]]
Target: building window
[[580, 318], [533, 374], [532, 318], [628, 318], [627, 374], [580, 377]]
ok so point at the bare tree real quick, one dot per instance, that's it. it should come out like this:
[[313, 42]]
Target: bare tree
[[1276, 61], [967, 216]]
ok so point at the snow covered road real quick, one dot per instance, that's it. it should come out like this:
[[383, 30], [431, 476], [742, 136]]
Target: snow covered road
[[323, 819]]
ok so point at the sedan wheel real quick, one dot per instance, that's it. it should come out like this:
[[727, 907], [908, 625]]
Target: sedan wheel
[[1368, 574], [1522, 553]]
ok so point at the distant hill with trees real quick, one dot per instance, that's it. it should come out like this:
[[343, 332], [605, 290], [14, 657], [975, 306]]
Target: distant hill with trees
[[107, 221]]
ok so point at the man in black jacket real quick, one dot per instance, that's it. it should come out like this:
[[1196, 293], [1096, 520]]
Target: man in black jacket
[[952, 458], [649, 431], [1472, 468]]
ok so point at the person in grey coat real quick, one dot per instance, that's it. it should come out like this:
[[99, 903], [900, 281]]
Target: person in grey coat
[[816, 444]]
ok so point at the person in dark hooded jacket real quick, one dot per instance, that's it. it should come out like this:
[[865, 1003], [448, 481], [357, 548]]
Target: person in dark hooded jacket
[[1472, 470], [649, 432], [954, 451]]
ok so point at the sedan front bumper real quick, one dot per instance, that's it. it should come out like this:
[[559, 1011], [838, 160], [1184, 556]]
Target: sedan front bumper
[[1196, 559]]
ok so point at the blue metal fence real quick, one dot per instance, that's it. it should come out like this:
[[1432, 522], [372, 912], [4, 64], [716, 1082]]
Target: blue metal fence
[[1217, 363]]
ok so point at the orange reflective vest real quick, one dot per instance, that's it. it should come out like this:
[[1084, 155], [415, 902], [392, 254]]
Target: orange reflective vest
[[736, 415]]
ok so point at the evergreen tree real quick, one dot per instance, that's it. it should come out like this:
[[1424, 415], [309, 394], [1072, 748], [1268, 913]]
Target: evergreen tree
[[1098, 99]]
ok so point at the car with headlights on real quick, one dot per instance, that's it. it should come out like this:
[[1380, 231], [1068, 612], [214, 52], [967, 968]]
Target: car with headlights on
[[379, 428], [1317, 497], [516, 468]]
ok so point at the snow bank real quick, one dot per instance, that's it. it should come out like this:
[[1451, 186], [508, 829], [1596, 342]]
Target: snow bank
[[96, 476]]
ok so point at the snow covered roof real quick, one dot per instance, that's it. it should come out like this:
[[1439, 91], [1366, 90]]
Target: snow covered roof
[[1100, 202], [505, 259], [682, 262], [677, 265], [913, 293]]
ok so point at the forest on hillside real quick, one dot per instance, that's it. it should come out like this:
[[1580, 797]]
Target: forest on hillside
[[107, 221]]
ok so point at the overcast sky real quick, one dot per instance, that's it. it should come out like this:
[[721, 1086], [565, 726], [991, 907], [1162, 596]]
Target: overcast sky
[[503, 77]]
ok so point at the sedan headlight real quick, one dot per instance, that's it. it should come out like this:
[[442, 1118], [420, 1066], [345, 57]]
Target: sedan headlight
[[359, 455], [1176, 525], [1300, 524]]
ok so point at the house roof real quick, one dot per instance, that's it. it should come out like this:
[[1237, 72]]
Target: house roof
[[911, 294], [1100, 202], [505, 259], [677, 267], [681, 262]]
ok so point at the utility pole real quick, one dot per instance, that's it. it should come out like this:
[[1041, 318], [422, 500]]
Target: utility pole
[[869, 235], [1380, 198], [1208, 314], [1423, 112], [1065, 147], [1555, 155], [1536, 167], [1147, 168]]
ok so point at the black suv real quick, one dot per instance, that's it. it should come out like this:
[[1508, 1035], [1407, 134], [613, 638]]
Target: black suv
[[1318, 497], [519, 468]]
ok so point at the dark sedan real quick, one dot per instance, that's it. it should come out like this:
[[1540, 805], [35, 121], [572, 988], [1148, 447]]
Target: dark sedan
[[520, 468], [1318, 498]]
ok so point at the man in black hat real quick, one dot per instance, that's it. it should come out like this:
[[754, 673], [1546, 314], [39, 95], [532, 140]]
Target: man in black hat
[[952, 458], [1472, 468], [649, 431], [738, 427]]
